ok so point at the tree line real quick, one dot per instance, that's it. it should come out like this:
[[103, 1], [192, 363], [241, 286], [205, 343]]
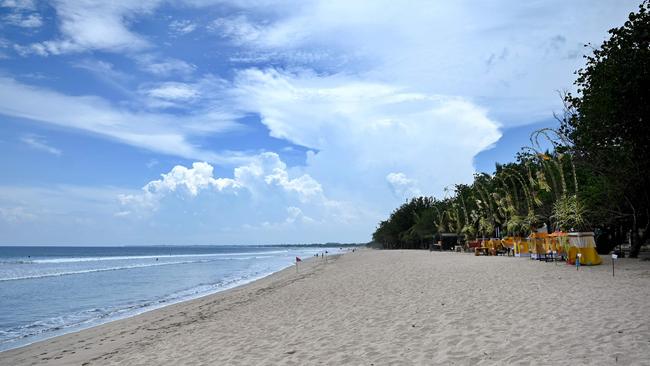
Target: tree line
[[590, 174]]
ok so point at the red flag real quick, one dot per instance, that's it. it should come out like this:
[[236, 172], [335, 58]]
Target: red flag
[[298, 259]]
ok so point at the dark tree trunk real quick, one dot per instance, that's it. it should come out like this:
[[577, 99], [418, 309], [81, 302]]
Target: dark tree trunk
[[637, 240]]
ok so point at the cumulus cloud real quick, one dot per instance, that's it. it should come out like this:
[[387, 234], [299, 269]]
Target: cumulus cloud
[[294, 214], [191, 180], [265, 175], [375, 128], [263, 197], [402, 186], [261, 201]]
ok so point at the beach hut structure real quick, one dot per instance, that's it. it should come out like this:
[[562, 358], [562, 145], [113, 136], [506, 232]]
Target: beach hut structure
[[446, 241], [583, 243], [449, 240], [495, 246]]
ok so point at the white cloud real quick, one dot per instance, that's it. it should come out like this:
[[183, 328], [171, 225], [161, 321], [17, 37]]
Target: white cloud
[[173, 91], [94, 25], [47, 48], [207, 92], [238, 29], [192, 180], [182, 27], [99, 67], [24, 20], [499, 55], [157, 132], [267, 170], [374, 128], [163, 66], [262, 197], [260, 202], [39, 143], [402, 186], [294, 214], [263, 175], [19, 4]]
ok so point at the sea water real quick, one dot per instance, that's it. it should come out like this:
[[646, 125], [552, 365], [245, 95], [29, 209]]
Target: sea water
[[48, 291]]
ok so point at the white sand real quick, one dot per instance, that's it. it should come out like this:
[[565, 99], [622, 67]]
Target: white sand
[[388, 307]]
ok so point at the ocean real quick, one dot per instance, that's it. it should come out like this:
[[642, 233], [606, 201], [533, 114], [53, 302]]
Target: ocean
[[49, 291]]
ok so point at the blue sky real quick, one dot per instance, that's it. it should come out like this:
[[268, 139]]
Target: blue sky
[[257, 122]]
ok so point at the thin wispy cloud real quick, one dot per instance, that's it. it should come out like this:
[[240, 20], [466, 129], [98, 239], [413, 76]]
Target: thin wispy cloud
[[182, 27], [39, 143], [157, 132]]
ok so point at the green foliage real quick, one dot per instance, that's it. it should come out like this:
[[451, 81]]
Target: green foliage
[[569, 214], [607, 122]]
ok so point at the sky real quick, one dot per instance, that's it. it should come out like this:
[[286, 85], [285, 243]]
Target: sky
[[265, 122]]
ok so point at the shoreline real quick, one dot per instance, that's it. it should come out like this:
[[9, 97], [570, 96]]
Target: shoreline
[[408, 307], [144, 310], [156, 311]]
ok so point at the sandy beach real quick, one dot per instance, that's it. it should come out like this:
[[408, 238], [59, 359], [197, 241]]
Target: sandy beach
[[387, 307]]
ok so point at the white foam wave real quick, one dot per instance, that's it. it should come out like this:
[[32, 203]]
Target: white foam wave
[[117, 268], [136, 257], [15, 337]]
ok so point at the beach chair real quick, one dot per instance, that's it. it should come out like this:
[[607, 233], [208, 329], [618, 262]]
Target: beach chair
[[521, 247], [537, 250], [559, 239], [479, 248], [502, 250]]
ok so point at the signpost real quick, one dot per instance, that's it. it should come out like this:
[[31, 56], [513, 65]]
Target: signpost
[[614, 257]]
